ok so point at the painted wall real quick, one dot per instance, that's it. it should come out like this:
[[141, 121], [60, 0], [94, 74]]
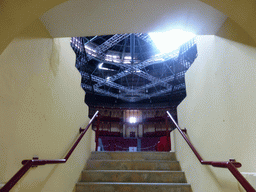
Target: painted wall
[[16, 15], [41, 110], [232, 31], [219, 113], [241, 12]]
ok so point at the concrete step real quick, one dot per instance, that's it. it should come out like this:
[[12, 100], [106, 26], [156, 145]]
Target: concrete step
[[136, 176], [133, 165], [133, 156], [132, 187], [133, 172]]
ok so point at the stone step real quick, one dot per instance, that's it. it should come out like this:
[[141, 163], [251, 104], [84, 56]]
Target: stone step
[[133, 172], [132, 187], [133, 156], [133, 165], [133, 176]]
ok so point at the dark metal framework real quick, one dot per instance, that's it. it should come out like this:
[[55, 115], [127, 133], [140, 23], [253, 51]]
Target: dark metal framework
[[128, 67]]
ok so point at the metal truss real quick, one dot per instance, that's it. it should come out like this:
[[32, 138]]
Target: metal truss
[[172, 83], [77, 44], [136, 93], [109, 83], [104, 92], [137, 69], [100, 50], [144, 37]]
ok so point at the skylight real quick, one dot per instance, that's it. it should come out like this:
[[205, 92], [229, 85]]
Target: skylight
[[169, 41]]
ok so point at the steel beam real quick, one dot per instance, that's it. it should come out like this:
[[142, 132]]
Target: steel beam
[[131, 94], [100, 50]]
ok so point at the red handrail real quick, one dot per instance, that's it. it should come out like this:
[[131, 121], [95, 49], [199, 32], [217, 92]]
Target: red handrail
[[27, 164], [232, 165]]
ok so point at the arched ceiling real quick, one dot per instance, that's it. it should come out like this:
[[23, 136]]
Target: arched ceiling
[[16, 15], [88, 18]]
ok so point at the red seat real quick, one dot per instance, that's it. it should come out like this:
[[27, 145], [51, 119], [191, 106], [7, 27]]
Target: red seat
[[164, 144]]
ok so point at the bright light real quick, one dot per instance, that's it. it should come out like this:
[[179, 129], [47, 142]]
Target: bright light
[[116, 60], [100, 66], [132, 120], [170, 40], [127, 57]]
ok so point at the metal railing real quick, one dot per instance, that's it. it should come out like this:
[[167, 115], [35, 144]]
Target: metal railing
[[27, 164], [231, 165]]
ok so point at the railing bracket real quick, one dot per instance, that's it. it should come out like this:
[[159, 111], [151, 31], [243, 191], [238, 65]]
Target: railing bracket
[[35, 158], [184, 130], [81, 130]]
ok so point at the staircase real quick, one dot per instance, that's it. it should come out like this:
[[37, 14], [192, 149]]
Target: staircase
[[133, 172]]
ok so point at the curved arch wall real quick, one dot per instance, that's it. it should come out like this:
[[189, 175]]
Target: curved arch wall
[[16, 15]]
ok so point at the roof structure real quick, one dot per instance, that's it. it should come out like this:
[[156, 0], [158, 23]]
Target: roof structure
[[128, 68]]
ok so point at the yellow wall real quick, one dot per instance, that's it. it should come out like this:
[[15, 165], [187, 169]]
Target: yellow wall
[[242, 12], [232, 31], [41, 110], [219, 113], [18, 14]]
